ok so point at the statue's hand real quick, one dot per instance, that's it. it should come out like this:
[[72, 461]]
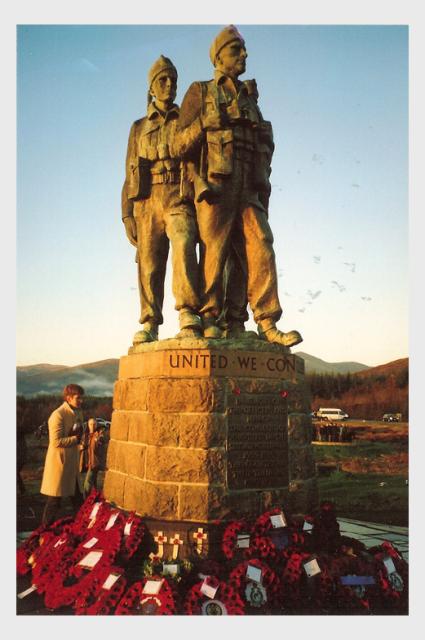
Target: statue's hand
[[212, 121], [131, 229]]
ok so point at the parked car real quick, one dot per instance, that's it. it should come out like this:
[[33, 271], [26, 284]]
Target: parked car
[[391, 417], [332, 413]]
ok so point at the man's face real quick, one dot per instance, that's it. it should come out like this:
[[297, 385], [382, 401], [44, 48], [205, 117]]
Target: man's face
[[231, 59], [75, 401], [164, 87], [92, 425]]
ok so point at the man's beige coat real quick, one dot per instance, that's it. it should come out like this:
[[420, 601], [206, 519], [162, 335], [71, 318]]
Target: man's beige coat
[[61, 466]]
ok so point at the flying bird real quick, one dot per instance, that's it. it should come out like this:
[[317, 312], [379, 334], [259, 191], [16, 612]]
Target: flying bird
[[316, 259], [351, 265], [340, 248], [314, 295], [341, 287], [366, 298], [317, 158], [301, 310], [355, 185]]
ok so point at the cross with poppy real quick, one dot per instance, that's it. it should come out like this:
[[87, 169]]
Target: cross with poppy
[[176, 542], [160, 539], [199, 536]]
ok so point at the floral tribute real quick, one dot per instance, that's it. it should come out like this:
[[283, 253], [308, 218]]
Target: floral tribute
[[100, 563], [137, 600]]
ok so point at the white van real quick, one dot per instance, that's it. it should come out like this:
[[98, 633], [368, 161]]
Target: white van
[[332, 413]]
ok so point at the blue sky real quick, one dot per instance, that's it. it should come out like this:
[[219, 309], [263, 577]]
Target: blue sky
[[338, 100]]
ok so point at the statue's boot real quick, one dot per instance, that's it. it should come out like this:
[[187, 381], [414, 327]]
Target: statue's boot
[[149, 333], [268, 331], [236, 330], [211, 329], [190, 324]]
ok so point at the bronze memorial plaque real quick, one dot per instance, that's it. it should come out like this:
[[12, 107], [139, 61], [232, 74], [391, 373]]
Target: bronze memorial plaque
[[258, 442]]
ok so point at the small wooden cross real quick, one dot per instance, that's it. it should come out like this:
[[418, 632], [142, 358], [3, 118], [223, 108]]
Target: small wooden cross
[[160, 539], [176, 542], [199, 536]]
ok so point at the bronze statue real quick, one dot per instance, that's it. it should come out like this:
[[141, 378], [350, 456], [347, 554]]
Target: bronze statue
[[154, 214], [227, 145]]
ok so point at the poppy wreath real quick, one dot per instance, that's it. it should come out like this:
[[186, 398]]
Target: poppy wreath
[[323, 592], [356, 597], [100, 600], [50, 558], [131, 542], [267, 594], [135, 602], [230, 537], [393, 585], [37, 537], [291, 576], [263, 524], [226, 602], [72, 579], [262, 547], [83, 517]]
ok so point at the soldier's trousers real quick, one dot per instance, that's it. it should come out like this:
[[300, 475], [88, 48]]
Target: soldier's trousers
[[162, 219], [238, 223]]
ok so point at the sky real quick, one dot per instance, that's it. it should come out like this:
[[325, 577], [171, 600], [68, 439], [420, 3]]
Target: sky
[[337, 96]]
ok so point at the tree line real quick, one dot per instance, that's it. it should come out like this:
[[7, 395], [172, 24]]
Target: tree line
[[362, 396]]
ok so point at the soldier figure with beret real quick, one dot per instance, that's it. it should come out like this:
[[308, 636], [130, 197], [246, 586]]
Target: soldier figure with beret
[[227, 145], [154, 213]]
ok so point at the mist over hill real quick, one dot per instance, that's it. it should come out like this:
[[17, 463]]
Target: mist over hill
[[98, 378]]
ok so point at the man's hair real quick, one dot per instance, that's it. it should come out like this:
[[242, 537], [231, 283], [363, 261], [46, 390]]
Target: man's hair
[[72, 390]]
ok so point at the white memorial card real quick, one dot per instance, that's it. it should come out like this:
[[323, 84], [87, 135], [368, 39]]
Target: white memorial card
[[95, 509], [242, 541], [278, 521], [307, 526], [111, 580], [208, 590], [26, 593], [312, 568], [91, 559], [90, 543], [170, 569], [389, 565], [253, 573], [152, 587], [111, 520], [127, 528]]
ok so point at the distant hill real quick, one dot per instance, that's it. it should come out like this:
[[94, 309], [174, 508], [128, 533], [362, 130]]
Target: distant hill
[[98, 378], [316, 365], [366, 394]]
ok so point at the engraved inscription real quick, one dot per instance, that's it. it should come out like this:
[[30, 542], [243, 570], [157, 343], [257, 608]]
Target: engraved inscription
[[257, 444]]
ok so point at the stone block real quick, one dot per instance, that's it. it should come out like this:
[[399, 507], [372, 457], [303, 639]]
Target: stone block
[[147, 498], [113, 487], [186, 395], [301, 463], [185, 465], [110, 454], [178, 430], [129, 458], [304, 496], [119, 425], [299, 429], [202, 503], [131, 395]]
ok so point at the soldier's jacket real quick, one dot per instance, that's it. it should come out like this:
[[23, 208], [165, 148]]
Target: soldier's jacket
[[245, 136], [149, 158]]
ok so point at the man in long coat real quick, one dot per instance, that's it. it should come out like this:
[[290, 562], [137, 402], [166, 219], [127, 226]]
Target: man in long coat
[[62, 458]]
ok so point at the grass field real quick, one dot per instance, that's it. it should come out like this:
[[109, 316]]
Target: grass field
[[366, 480]]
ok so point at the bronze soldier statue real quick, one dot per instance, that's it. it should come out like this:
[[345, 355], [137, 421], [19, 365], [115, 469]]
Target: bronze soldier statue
[[227, 147], [154, 214]]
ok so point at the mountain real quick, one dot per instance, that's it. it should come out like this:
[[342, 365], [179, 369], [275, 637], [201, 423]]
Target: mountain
[[316, 365], [98, 378]]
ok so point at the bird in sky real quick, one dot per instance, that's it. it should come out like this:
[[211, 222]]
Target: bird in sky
[[314, 294], [351, 265], [341, 287], [316, 259], [355, 185], [366, 298]]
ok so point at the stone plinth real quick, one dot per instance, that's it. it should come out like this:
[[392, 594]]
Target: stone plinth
[[200, 433]]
